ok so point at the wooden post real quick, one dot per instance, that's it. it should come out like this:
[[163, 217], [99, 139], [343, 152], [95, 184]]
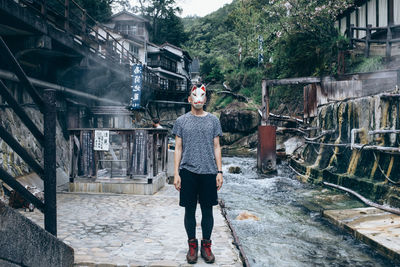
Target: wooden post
[[367, 40], [84, 19], [43, 8], [351, 35], [50, 182], [265, 103], [66, 15], [389, 37]]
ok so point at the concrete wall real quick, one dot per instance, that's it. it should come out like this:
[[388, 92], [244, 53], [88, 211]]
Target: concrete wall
[[23, 243], [364, 171]]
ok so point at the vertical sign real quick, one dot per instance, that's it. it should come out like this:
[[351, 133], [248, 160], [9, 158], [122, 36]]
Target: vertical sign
[[261, 50], [137, 81], [101, 140]]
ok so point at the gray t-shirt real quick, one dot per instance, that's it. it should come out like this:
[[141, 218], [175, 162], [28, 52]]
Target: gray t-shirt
[[198, 135]]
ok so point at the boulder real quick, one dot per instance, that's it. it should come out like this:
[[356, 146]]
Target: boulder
[[230, 138], [235, 118], [249, 141], [234, 169]]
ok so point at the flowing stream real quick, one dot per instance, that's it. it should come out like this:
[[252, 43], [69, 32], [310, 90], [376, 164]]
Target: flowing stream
[[290, 230]]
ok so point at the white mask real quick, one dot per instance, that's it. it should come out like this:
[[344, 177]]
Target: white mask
[[198, 96]]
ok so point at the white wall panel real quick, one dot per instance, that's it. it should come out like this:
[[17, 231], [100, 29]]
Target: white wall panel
[[372, 13], [361, 19], [396, 12], [383, 11]]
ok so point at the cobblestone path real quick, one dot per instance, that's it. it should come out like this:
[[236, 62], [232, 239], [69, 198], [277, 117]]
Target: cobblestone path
[[131, 230]]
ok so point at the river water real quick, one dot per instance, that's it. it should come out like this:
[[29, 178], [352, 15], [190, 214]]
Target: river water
[[290, 230]]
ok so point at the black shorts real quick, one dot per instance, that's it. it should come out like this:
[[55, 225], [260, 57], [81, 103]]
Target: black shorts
[[195, 188]]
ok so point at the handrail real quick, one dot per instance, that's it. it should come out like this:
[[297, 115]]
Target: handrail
[[368, 32], [69, 16], [47, 107]]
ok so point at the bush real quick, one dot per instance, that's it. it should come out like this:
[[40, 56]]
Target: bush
[[369, 64]]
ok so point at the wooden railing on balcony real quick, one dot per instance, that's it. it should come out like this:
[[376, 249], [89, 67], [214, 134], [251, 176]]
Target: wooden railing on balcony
[[368, 40], [73, 19]]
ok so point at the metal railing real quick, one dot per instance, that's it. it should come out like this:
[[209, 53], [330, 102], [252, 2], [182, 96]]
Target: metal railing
[[368, 37], [47, 106]]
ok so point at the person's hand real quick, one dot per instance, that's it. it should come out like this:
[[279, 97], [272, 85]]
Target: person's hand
[[177, 182], [220, 181]]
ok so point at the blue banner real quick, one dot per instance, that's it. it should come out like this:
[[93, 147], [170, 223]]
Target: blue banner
[[137, 82]]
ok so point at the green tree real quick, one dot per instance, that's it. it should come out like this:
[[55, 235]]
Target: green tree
[[100, 10], [171, 30], [159, 11]]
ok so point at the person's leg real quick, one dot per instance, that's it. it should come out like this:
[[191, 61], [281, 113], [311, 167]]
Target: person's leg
[[207, 221], [208, 198], [190, 222], [188, 199]]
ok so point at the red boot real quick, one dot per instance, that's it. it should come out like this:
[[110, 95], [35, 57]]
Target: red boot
[[191, 256], [206, 252]]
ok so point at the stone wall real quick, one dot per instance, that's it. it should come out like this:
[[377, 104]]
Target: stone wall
[[363, 170], [10, 161], [23, 243]]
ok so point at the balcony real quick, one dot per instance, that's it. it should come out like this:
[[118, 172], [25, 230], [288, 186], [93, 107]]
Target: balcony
[[167, 65]]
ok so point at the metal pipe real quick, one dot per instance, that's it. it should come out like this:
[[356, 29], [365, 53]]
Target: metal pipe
[[12, 77], [365, 200], [320, 136], [327, 144], [373, 147]]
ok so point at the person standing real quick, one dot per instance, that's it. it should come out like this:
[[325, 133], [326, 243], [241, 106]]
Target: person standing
[[156, 123], [198, 170]]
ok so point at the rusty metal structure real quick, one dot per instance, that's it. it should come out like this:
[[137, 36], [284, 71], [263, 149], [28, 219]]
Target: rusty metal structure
[[266, 150]]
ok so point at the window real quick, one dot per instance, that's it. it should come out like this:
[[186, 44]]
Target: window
[[134, 49], [127, 29]]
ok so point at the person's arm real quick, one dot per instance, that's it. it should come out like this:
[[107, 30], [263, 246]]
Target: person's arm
[[177, 161], [218, 159]]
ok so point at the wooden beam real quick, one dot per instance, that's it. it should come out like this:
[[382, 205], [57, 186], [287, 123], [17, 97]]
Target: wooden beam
[[293, 81]]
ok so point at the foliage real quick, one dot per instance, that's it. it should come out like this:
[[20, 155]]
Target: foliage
[[171, 30], [161, 13], [299, 40], [363, 64], [211, 70], [100, 10], [166, 26]]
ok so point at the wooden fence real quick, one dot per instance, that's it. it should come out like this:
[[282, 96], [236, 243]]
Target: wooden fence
[[143, 153], [368, 40]]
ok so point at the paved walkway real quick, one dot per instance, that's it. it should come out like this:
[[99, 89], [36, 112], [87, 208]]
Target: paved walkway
[[377, 228], [131, 230]]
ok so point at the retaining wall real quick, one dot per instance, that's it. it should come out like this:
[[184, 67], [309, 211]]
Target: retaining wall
[[362, 170]]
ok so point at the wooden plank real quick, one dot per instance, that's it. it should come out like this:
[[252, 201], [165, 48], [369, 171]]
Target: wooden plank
[[293, 81]]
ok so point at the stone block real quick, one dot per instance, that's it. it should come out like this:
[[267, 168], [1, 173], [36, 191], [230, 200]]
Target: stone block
[[25, 243]]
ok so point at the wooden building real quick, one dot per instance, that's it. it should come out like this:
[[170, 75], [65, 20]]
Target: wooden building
[[373, 27], [377, 13]]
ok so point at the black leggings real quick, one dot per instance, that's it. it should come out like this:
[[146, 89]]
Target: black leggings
[[207, 221]]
